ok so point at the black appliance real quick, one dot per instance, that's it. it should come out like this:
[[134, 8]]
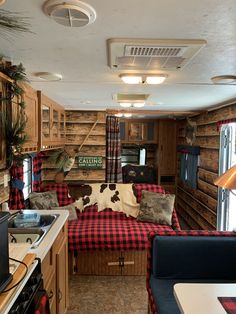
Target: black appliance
[[29, 299], [5, 276]]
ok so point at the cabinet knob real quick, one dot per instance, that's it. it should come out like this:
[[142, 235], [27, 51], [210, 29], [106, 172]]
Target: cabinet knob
[[50, 295]]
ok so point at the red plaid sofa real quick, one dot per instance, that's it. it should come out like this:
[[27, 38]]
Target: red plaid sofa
[[187, 256], [110, 230]]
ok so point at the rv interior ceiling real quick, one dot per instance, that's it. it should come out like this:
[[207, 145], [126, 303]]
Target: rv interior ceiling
[[77, 53]]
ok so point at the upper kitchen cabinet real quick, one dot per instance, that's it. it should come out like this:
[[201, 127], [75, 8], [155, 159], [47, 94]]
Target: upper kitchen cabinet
[[138, 131], [51, 123], [31, 111]]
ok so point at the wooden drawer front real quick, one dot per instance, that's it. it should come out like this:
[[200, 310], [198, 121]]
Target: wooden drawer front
[[51, 291], [98, 263], [48, 267], [134, 263]]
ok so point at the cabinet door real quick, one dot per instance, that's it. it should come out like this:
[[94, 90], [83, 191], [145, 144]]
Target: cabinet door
[[62, 126], [31, 112], [62, 278], [55, 131], [136, 131], [167, 148], [46, 123]]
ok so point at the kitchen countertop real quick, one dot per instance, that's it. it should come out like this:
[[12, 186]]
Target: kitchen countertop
[[40, 251]]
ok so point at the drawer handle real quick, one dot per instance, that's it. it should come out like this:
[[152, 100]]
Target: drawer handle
[[50, 295], [59, 295]]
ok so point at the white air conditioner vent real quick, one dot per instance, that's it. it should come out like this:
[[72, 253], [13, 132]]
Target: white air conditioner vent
[[151, 54]]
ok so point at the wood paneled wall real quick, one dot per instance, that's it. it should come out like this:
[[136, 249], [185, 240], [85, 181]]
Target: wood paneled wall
[[4, 190], [78, 125], [198, 207]]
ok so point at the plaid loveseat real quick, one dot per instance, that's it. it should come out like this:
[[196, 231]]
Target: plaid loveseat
[[184, 257]]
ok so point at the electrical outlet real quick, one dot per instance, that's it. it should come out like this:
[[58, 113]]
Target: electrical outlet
[[5, 180]]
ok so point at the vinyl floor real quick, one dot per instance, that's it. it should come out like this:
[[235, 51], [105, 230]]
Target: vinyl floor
[[107, 295]]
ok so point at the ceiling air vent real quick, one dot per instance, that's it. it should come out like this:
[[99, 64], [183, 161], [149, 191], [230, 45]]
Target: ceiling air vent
[[72, 13], [130, 97], [151, 54]]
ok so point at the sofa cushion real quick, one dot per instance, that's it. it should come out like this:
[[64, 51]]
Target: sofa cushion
[[156, 207], [177, 257], [139, 187], [71, 209]]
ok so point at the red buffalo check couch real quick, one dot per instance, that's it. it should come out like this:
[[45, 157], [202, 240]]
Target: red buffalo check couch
[[109, 242]]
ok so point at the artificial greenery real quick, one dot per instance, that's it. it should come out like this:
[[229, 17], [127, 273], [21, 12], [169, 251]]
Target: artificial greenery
[[14, 124], [60, 158], [11, 23]]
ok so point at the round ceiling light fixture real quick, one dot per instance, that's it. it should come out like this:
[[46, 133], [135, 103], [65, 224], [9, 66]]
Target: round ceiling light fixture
[[48, 76], [224, 79], [72, 13]]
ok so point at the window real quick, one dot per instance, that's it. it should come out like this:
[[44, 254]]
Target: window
[[189, 164], [27, 176], [226, 213]]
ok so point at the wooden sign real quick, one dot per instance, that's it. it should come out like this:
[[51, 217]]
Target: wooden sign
[[90, 162]]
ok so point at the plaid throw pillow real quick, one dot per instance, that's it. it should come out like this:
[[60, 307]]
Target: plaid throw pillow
[[139, 187]]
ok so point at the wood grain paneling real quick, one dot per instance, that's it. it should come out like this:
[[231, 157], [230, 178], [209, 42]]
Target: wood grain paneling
[[198, 207]]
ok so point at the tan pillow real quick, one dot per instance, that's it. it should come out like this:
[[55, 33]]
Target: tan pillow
[[156, 207], [44, 200], [71, 208]]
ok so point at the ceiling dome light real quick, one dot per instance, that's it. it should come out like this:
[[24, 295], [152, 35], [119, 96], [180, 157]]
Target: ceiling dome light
[[155, 79], [125, 104], [224, 79], [131, 78], [48, 76], [138, 104]]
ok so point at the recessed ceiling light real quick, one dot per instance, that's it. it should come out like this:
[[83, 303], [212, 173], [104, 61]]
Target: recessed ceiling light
[[125, 104], [119, 115], [127, 115], [131, 78], [155, 79], [143, 78], [224, 79], [138, 104], [48, 76]]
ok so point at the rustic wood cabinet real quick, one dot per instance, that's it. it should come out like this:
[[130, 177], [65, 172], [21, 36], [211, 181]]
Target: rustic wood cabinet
[[167, 154], [138, 131], [31, 111], [55, 274], [51, 121]]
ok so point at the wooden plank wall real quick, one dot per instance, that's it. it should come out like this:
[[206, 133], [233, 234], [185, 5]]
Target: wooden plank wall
[[198, 207], [78, 125]]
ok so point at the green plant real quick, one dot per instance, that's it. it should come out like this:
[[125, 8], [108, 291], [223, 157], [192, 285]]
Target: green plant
[[14, 124], [11, 23]]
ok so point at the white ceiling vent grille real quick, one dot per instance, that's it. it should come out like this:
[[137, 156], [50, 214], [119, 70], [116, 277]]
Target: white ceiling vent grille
[[151, 54], [72, 13]]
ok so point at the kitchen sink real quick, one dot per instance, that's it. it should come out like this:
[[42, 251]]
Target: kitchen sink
[[29, 227]]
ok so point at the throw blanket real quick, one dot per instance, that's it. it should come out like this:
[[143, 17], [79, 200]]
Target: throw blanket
[[109, 230]]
